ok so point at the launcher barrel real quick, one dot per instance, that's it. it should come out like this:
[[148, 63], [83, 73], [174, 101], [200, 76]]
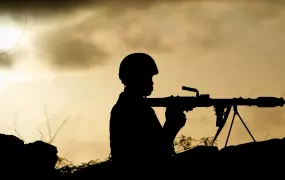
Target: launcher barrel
[[204, 101]]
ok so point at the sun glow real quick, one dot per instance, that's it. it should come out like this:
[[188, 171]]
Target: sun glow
[[10, 77], [16, 76], [9, 37], [5, 79]]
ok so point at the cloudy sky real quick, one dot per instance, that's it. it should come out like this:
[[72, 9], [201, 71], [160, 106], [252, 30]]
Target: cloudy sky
[[65, 57]]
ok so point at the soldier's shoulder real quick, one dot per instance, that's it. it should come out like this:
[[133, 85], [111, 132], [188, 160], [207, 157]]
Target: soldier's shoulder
[[115, 109], [124, 108], [118, 108]]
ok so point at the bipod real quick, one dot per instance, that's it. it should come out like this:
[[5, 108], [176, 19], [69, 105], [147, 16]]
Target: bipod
[[224, 119]]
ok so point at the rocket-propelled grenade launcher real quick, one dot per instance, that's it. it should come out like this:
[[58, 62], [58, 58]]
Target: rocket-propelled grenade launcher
[[222, 106], [204, 100]]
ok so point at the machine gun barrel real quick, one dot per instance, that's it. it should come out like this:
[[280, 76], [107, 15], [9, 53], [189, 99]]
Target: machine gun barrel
[[188, 102], [222, 106]]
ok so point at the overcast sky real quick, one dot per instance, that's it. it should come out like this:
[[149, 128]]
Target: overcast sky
[[69, 53]]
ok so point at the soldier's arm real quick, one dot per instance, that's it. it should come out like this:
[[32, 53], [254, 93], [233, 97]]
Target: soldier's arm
[[168, 139], [169, 134]]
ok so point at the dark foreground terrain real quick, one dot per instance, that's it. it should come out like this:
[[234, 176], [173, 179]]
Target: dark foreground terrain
[[37, 160]]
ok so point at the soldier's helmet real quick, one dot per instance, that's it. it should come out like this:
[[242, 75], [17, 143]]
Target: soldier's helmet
[[135, 66]]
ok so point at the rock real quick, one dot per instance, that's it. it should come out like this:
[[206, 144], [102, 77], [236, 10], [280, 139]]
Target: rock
[[26, 160], [41, 157], [11, 152]]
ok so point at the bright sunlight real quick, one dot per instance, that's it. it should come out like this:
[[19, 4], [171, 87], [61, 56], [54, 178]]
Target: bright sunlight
[[15, 76], [9, 37], [10, 34]]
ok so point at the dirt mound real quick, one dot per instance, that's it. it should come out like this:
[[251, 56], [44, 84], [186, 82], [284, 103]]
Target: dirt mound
[[256, 160], [253, 160]]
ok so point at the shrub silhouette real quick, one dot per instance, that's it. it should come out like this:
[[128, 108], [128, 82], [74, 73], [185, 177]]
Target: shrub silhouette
[[185, 143]]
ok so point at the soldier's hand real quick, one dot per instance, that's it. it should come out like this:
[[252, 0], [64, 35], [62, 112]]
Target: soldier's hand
[[175, 117]]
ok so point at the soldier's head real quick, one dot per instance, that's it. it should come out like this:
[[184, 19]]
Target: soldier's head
[[136, 72]]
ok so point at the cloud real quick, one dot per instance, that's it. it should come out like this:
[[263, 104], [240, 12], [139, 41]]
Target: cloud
[[64, 49], [132, 25], [216, 25], [138, 32], [163, 27], [42, 6], [6, 61], [200, 25], [47, 7]]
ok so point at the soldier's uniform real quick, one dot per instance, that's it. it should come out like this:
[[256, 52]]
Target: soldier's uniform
[[136, 137], [138, 146]]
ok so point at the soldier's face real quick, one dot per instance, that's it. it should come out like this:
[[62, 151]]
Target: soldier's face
[[142, 85], [147, 85]]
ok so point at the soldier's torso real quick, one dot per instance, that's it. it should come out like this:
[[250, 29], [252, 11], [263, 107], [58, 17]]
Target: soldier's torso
[[133, 124]]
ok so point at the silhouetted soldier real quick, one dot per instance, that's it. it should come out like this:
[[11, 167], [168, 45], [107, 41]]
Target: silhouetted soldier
[[140, 146]]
